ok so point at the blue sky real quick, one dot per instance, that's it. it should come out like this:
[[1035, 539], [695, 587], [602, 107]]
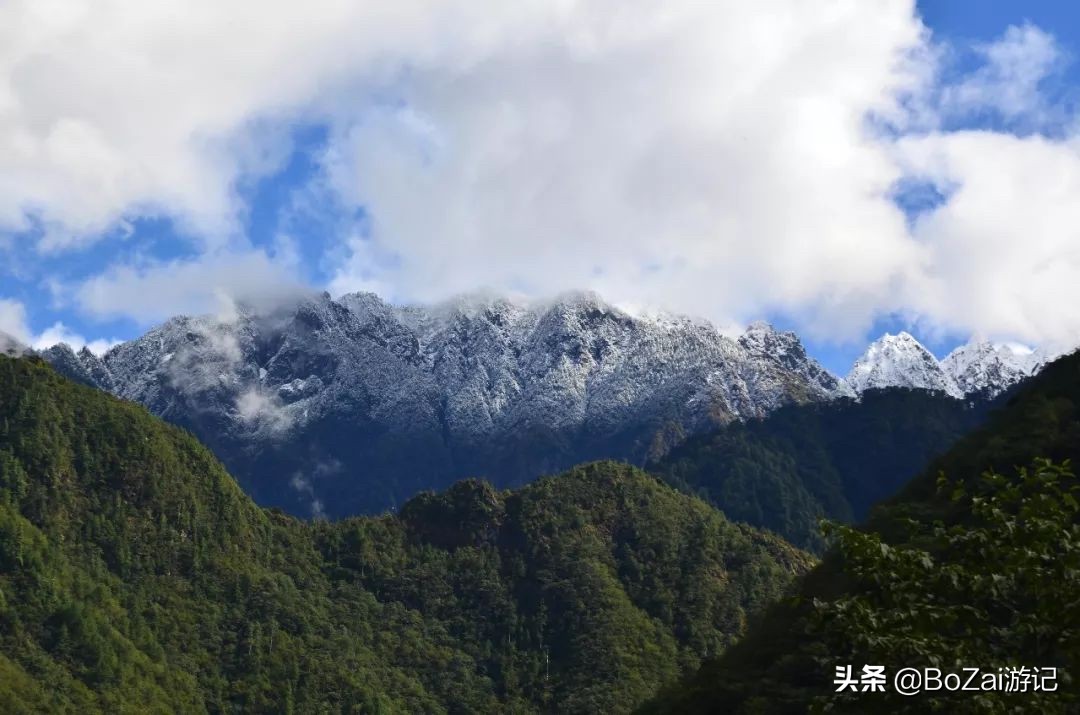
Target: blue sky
[[969, 20], [545, 154], [963, 23]]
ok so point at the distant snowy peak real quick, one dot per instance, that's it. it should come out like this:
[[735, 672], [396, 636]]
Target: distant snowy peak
[[986, 368], [900, 361], [979, 368]]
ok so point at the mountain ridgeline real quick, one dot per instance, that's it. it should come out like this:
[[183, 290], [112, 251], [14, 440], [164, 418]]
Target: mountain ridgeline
[[136, 576], [347, 406], [978, 369], [339, 407]]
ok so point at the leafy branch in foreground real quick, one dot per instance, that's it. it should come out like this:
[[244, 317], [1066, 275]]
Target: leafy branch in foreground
[[1000, 589]]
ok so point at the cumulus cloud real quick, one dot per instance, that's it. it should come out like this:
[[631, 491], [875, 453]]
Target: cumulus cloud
[[1003, 253], [709, 157], [725, 159], [736, 177], [117, 108]]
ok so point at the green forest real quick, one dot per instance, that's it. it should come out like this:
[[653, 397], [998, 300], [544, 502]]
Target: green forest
[[136, 577], [976, 562], [788, 470]]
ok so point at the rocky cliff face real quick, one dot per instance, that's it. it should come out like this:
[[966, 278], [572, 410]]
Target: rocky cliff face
[[352, 405]]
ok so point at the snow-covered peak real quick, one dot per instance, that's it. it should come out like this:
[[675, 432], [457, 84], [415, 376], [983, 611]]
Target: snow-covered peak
[[480, 384], [581, 299], [900, 361], [473, 305], [762, 338], [760, 326], [364, 303], [990, 368]]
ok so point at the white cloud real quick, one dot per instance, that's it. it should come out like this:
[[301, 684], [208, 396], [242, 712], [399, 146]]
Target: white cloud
[[208, 284], [654, 142], [117, 108], [60, 333], [1002, 255], [735, 178], [200, 365], [262, 410], [709, 157], [1009, 79], [304, 486], [13, 322]]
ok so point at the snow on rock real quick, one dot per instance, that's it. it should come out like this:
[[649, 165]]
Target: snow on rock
[[779, 355], [979, 368], [900, 361], [985, 368]]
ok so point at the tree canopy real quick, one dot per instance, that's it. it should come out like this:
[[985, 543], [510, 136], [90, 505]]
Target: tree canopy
[[786, 471], [135, 576], [974, 563]]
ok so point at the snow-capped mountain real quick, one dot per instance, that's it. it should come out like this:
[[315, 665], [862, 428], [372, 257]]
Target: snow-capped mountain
[[349, 405], [900, 361], [977, 369], [986, 368], [352, 405]]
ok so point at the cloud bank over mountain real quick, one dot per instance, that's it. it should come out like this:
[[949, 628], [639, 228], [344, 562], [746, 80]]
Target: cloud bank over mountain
[[729, 160]]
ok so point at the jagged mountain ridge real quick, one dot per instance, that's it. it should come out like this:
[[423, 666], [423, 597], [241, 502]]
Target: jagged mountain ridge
[[900, 361], [977, 368], [982, 367], [350, 405]]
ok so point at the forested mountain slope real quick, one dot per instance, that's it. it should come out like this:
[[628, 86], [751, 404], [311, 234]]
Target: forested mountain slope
[[135, 576], [786, 471], [959, 569]]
